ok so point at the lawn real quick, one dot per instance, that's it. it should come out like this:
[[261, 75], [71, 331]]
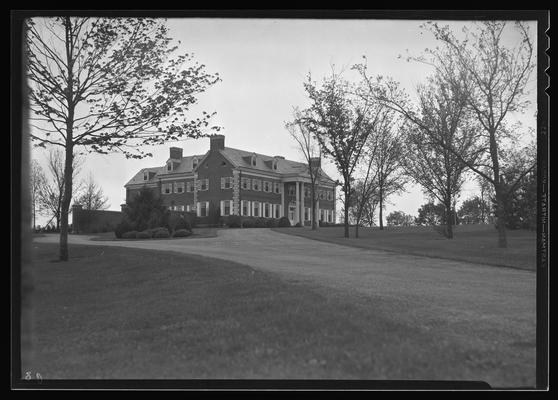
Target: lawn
[[113, 312], [473, 243]]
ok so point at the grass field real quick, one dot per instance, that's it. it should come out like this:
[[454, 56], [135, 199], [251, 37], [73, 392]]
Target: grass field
[[473, 243], [113, 312]]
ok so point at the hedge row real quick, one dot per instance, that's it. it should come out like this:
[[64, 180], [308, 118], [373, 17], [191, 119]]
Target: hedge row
[[236, 221], [158, 233]]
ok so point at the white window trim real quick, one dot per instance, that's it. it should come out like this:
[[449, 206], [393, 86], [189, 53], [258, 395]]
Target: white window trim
[[178, 185]]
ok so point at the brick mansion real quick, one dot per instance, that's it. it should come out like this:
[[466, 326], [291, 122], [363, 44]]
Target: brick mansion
[[226, 181]]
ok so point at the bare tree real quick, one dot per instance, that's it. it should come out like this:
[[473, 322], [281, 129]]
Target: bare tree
[[108, 85], [429, 162], [92, 196], [310, 149], [38, 181], [51, 192], [341, 121], [496, 76], [391, 178]]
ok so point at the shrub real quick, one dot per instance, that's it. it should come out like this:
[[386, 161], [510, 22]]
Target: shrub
[[121, 228], [248, 222], [234, 221], [161, 233], [182, 233], [284, 222], [260, 223], [298, 225], [272, 223], [130, 235], [143, 235]]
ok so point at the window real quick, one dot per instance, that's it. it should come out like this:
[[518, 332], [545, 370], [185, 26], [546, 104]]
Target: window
[[277, 210], [179, 187], [180, 208], [226, 182], [203, 209], [194, 162], [256, 184], [256, 208], [189, 207], [253, 161], [245, 183], [321, 195], [292, 190], [330, 216], [146, 176], [189, 186], [275, 165], [245, 208], [307, 192], [277, 187], [306, 214], [266, 210], [166, 188], [226, 207], [267, 186], [321, 214], [204, 184], [329, 195]]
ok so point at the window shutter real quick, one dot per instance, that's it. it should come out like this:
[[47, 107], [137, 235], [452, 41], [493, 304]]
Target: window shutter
[[222, 183], [207, 208], [221, 206], [198, 209]]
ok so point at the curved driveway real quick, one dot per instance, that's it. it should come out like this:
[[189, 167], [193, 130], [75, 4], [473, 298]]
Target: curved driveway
[[430, 287], [494, 306]]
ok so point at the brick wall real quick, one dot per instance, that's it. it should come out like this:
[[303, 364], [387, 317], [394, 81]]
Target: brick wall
[[94, 221]]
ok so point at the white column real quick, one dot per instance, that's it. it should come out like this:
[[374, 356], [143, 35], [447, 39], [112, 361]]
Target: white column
[[302, 203], [297, 199], [282, 211]]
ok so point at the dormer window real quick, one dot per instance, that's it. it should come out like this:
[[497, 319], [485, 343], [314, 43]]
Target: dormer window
[[274, 165], [146, 176], [194, 162], [169, 166], [253, 160]]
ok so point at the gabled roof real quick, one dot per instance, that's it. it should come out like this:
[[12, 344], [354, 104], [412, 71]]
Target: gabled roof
[[242, 158], [238, 158]]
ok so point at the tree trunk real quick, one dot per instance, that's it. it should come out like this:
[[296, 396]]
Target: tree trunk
[[381, 213], [66, 199], [449, 221], [69, 158], [314, 201], [346, 211], [501, 218]]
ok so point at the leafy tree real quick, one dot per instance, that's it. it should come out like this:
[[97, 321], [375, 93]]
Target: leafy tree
[[474, 211], [145, 210], [430, 214], [399, 218], [341, 121], [108, 85], [92, 197]]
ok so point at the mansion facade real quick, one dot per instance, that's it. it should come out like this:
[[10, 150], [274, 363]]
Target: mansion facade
[[226, 181]]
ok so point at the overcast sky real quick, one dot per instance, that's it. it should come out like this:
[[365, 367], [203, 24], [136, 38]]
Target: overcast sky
[[263, 63]]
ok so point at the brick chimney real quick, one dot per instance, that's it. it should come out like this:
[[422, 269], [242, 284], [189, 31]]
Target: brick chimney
[[216, 142], [316, 162], [176, 153]]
